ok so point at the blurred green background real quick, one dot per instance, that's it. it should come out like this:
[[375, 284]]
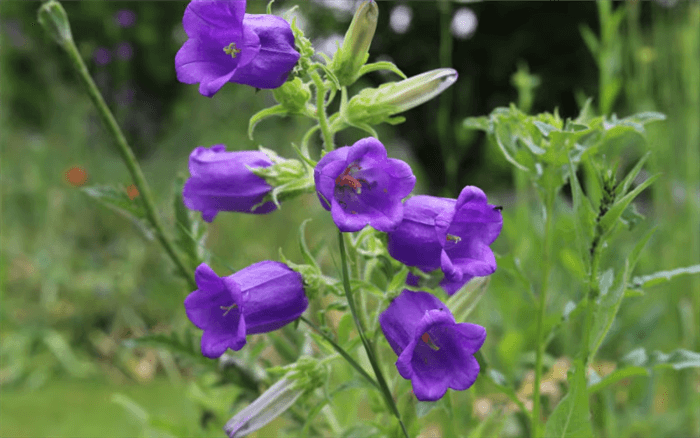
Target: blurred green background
[[78, 279]]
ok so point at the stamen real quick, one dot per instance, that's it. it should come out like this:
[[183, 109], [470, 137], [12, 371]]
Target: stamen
[[229, 308], [426, 338], [232, 50], [455, 239]]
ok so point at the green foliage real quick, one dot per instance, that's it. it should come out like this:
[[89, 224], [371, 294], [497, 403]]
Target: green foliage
[[571, 417]]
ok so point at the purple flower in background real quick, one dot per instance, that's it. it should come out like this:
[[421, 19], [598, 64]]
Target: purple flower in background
[[102, 56], [125, 18], [450, 234], [257, 299], [220, 181], [361, 186], [125, 96], [227, 45], [124, 51], [435, 352]]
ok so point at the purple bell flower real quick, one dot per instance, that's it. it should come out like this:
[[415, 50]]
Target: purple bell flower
[[361, 186], [435, 352], [260, 298], [227, 45], [450, 234], [220, 181]]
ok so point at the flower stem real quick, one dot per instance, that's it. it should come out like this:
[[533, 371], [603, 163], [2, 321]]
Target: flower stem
[[548, 235], [328, 143], [128, 158], [365, 342], [343, 353]]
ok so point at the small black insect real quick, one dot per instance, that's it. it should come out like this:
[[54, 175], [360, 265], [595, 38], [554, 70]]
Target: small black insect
[[498, 208]]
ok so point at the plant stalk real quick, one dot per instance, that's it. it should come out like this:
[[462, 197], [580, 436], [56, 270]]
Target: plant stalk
[[328, 143]]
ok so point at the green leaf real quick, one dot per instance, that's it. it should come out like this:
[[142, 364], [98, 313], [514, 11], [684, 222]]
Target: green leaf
[[584, 213], [645, 117], [277, 110], [571, 417], [184, 348], [609, 219], [678, 359], [663, 276], [344, 328], [424, 408], [626, 183], [611, 300], [480, 123], [590, 39], [616, 376], [398, 283], [545, 128], [119, 201], [308, 257], [190, 232], [381, 65]]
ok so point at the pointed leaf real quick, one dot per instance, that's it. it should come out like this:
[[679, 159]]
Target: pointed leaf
[[571, 417], [663, 276], [625, 184], [609, 219], [584, 213], [119, 201], [480, 123], [381, 65], [616, 376], [678, 359], [277, 110]]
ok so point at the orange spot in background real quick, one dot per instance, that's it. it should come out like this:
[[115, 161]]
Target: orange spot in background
[[132, 192], [76, 176]]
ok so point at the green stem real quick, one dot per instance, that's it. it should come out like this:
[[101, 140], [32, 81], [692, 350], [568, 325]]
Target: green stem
[[328, 143], [548, 235], [343, 353], [591, 294], [365, 342], [128, 158]]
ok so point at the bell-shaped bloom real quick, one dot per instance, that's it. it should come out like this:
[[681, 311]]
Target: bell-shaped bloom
[[220, 181], [257, 299], [361, 186], [434, 352], [450, 234], [227, 45]]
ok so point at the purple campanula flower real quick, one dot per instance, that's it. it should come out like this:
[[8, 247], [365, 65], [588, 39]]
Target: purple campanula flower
[[260, 298], [102, 56], [124, 51], [125, 18], [450, 234], [434, 351], [220, 181], [227, 45], [361, 186]]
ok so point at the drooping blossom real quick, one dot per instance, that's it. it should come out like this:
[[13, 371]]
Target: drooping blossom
[[361, 186], [260, 298], [450, 234], [227, 45], [434, 352], [220, 181]]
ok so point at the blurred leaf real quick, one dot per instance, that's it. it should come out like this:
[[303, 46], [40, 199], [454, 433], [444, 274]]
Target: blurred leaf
[[190, 232], [63, 352], [609, 219], [590, 39], [663, 276], [544, 128], [119, 201], [678, 359], [612, 295], [424, 408], [345, 325], [571, 417], [398, 282], [616, 376], [584, 213], [181, 347], [482, 123], [625, 184]]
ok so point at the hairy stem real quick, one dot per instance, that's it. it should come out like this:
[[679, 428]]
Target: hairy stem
[[328, 143], [129, 159], [391, 404]]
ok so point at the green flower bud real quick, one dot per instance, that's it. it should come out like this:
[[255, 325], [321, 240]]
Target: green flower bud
[[54, 20], [354, 52], [376, 105], [293, 95], [302, 377]]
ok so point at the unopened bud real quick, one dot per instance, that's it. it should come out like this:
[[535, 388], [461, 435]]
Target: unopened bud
[[376, 105], [293, 95], [353, 54], [54, 20]]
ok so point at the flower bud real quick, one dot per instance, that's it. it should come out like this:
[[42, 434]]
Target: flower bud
[[54, 20], [293, 95], [376, 105], [353, 54], [303, 376]]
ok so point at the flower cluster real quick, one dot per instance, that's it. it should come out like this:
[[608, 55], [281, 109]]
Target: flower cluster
[[358, 184]]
